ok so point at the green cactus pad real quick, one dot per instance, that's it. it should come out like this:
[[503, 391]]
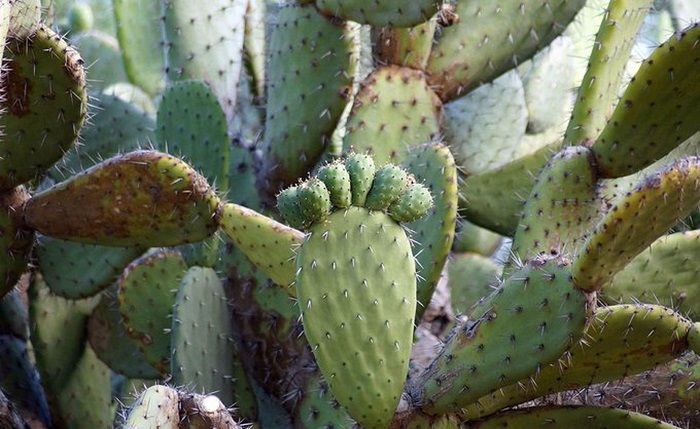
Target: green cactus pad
[[636, 220], [495, 200], [380, 13], [80, 18], [526, 324], [562, 207], [485, 127], [433, 234], [337, 180], [573, 418], [356, 289], [102, 57], [147, 290], [108, 338], [140, 39], [307, 89], [254, 44], [142, 198], [266, 243], [389, 183], [601, 83], [548, 86], [191, 125], [472, 238], [85, 400], [314, 200], [157, 407], [361, 168], [16, 241], [471, 277], [202, 337], [499, 37], [665, 272], [413, 203], [75, 270], [205, 41], [58, 333], [619, 341], [43, 78], [115, 126], [318, 409], [408, 47], [394, 109], [658, 110]]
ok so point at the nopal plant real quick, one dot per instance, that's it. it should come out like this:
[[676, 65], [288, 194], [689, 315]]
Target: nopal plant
[[324, 214]]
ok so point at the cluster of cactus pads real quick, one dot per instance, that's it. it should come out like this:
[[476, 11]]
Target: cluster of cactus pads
[[349, 213]]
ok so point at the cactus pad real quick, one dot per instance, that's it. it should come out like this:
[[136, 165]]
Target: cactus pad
[[157, 407], [573, 418], [636, 220], [140, 40], [524, 325], [147, 289], [356, 289], [562, 207], [307, 89], [192, 125], [205, 41], [605, 71], [44, 78], [499, 37], [15, 240], [433, 166], [142, 198], [658, 109], [380, 13], [394, 109], [665, 272], [108, 338], [265, 242], [620, 341], [202, 337], [75, 270]]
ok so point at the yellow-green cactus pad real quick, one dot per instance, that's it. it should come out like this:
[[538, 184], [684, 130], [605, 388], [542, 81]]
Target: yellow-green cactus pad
[[620, 341], [636, 220], [266, 243], [356, 287]]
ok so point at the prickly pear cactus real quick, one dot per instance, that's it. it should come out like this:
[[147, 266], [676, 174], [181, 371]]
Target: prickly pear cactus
[[356, 285]]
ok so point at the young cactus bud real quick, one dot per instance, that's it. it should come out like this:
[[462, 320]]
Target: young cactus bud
[[289, 208], [361, 169], [314, 200], [413, 203], [389, 182], [337, 179]]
